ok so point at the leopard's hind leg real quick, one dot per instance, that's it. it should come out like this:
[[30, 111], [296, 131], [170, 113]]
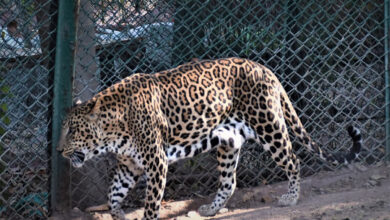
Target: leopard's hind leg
[[228, 138], [274, 138]]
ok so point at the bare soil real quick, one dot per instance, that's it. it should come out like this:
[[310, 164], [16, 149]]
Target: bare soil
[[354, 192]]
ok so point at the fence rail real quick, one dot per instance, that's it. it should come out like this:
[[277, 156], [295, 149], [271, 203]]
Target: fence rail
[[331, 56]]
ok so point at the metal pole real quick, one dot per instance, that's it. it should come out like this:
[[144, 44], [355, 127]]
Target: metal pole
[[387, 81], [62, 99]]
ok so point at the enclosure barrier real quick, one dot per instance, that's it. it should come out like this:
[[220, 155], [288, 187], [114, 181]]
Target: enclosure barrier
[[387, 80], [331, 56], [62, 99]]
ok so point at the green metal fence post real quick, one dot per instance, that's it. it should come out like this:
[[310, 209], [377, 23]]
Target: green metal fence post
[[387, 80], [64, 68]]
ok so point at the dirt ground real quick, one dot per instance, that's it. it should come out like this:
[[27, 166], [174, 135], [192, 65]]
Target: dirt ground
[[354, 192]]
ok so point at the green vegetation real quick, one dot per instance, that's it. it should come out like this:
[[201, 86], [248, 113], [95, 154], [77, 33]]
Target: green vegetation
[[4, 92]]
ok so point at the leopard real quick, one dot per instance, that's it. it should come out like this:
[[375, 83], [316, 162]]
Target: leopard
[[152, 120]]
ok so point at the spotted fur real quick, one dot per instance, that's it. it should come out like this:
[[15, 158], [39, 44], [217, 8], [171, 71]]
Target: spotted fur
[[151, 120]]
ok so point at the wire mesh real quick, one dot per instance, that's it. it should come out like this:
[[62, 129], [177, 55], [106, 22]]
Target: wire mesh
[[329, 55], [26, 62]]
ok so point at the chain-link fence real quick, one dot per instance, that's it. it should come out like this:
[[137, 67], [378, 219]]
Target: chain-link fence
[[26, 62], [329, 55]]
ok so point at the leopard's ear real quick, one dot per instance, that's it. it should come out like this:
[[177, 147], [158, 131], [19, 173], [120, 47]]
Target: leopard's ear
[[93, 106], [77, 105], [78, 101]]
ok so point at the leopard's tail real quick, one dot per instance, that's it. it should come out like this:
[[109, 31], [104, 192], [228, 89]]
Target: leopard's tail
[[296, 126]]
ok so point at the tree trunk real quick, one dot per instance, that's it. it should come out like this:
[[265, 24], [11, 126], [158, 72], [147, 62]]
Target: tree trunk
[[85, 81], [46, 14]]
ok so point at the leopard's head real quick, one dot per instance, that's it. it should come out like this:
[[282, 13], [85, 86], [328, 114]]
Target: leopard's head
[[80, 134]]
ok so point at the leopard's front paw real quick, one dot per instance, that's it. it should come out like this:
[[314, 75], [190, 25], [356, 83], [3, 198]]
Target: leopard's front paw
[[288, 200], [118, 214], [207, 210]]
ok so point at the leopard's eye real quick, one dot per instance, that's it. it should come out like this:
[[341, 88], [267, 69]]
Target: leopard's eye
[[70, 131]]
